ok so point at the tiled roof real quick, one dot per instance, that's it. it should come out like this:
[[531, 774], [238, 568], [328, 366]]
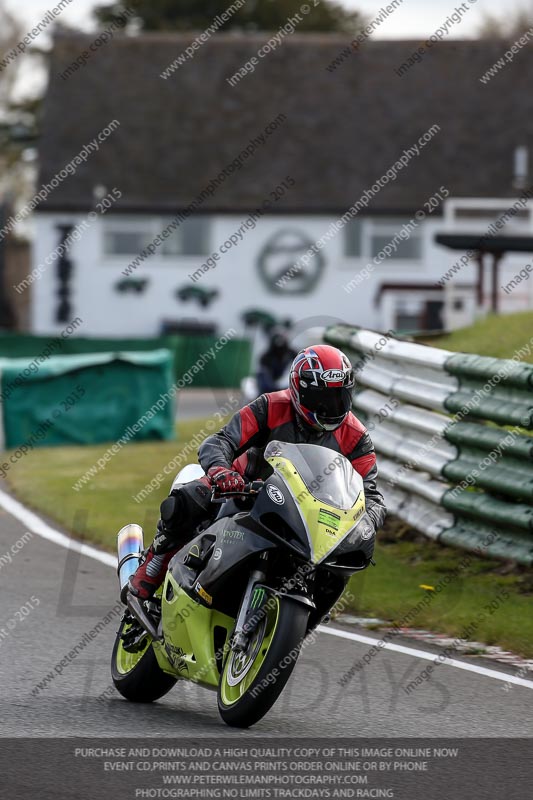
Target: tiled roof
[[343, 129]]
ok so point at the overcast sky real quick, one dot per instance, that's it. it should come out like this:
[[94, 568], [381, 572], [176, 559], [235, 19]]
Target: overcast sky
[[420, 18], [414, 18]]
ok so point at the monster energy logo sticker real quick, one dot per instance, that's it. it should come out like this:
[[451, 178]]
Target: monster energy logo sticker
[[258, 597], [233, 535]]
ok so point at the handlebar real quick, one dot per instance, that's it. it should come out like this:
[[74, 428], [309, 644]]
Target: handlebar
[[249, 490]]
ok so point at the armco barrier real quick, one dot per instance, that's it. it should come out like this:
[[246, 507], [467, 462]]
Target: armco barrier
[[450, 430]]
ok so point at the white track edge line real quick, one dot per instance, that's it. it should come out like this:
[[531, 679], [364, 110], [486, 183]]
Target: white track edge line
[[427, 656], [41, 528]]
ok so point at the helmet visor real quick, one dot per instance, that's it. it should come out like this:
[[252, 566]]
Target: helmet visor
[[329, 404]]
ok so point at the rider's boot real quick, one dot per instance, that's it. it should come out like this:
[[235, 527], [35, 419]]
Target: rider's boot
[[181, 512]]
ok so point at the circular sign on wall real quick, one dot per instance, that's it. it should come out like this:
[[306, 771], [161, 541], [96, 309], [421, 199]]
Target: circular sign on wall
[[282, 267]]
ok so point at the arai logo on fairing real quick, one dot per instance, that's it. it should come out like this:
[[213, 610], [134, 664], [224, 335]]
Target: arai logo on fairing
[[333, 375], [275, 494]]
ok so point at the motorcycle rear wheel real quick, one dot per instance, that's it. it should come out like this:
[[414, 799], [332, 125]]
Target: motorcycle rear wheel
[[252, 681], [137, 676]]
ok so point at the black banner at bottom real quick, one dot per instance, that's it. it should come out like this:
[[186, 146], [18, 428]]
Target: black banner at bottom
[[250, 767]]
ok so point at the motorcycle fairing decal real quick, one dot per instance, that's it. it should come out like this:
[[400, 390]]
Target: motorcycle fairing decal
[[275, 494], [199, 589], [327, 518], [236, 548], [175, 656], [232, 536], [360, 511], [257, 597], [313, 512]]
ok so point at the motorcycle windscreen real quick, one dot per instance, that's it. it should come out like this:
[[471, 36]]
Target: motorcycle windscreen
[[328, 476]]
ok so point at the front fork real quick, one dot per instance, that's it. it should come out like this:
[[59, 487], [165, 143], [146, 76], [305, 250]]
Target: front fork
[[240, 634]]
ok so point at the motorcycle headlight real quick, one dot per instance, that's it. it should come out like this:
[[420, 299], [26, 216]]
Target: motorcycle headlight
[[364, 528], [356, 550], [362, 532]]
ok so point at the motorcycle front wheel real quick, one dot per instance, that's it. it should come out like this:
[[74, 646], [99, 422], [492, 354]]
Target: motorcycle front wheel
[[252, 680]]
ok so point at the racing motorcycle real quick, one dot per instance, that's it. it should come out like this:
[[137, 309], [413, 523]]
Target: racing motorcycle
[[239, 599]]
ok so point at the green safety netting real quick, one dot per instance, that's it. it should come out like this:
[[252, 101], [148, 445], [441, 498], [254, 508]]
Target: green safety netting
[[85, 399]]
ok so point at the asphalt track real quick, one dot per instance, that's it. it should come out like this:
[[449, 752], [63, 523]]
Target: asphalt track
[[204, 403], [76, 592]]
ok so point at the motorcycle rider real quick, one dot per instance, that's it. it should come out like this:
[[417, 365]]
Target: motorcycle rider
[[274, 361], [315, 409]]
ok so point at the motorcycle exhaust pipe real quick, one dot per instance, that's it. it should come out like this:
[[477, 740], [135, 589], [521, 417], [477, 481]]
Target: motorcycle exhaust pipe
[[130, 547]]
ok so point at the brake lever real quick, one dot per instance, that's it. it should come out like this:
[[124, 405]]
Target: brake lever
[[249, 490]]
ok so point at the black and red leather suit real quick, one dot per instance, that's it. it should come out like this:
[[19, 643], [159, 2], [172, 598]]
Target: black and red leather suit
[[239, 446]]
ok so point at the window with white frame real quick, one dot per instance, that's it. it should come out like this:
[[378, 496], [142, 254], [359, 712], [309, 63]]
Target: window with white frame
[[508, 216], [128, 237], [366, 238], [123, 242], [383, 231]]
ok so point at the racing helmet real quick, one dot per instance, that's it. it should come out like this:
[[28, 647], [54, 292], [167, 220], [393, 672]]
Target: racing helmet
[[321, 382]]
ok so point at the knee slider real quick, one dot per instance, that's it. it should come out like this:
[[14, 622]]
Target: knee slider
[[168, 509], [196, 497]]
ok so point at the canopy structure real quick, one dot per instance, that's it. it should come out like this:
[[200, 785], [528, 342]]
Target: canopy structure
[[481, 246]]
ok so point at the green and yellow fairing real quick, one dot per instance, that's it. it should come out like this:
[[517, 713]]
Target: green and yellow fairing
[[326, 524], [187, 648]]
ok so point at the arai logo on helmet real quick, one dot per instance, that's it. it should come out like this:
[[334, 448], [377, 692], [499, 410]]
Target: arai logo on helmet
[[333, 375], [275, 494]]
